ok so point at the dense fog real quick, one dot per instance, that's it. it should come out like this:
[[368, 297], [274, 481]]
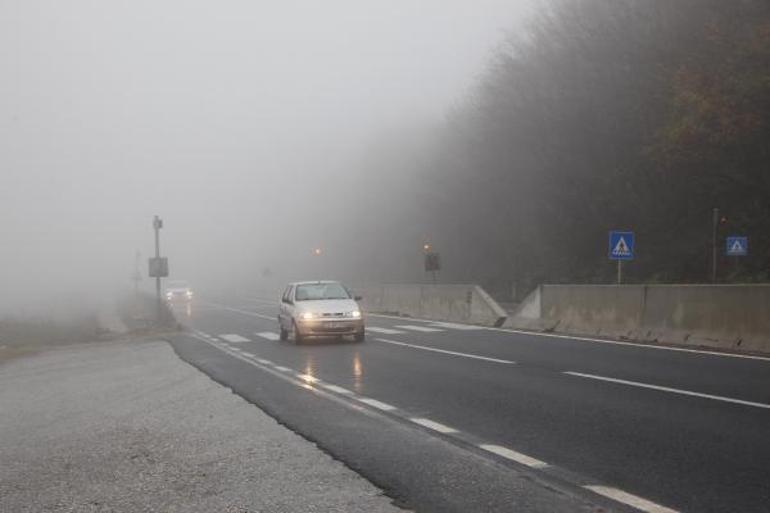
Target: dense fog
[[244, 125]]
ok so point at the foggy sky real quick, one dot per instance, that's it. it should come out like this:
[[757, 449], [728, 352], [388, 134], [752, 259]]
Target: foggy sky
[[232, 120]]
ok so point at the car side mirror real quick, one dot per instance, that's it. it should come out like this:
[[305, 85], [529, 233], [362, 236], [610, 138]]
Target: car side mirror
[[357, 298]]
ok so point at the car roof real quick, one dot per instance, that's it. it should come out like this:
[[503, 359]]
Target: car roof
[[313, 282]]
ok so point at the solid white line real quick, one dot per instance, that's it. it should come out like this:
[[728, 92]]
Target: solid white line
[[283, 369], [384, 331], [376, 404], [435, 426], [514, 455], [456, 326], [339, 390], [668, 389], [444, 351], [597, 340], [269, 335], [264, 362], [422, 329], [232, 337], [631, 500], [307, 378]]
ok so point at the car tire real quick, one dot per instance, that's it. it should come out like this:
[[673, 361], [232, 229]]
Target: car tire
[[298, 339], [283, 334], [360, 336]]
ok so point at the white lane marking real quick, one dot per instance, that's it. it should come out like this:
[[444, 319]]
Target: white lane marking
[[377, 404], [597, 340], [269, 335], [435, 426], [232, 337], [444, 351], [514, 455], [264, 362], [456, 326], [339, 390], [283, 369], [631, 500], [669, 389], [384, 331], [307, 378], [423, 329]]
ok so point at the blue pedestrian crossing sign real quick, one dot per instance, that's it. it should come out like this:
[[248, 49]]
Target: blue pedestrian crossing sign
[[621, 246], [737, 246]]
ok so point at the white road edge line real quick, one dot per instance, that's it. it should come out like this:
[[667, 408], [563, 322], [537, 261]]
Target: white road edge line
[[589, 339], [264, 362], [514, 456], [377, 404], [669, 389], [435, 426], [629, 499], [444, 351], [384, 331], [412, 327], [283, 369]]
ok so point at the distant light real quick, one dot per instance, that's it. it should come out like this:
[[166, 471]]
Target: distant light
[[426, 247], [317, 251]]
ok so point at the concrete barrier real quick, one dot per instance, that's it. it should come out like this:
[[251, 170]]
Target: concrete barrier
[[455, 303], [724, 316]]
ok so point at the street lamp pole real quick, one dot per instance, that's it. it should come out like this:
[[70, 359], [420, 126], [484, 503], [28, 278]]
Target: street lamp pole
[[157, 224]]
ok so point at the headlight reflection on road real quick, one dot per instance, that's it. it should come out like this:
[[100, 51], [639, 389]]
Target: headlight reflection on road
[[358, 373], [309, 374]]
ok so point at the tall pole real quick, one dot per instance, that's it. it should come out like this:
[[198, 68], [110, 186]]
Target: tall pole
[[715, 225], [620, 272], [156, 224]]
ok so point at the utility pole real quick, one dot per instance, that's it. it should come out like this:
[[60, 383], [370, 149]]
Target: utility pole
[[715, 226], [157, 224]]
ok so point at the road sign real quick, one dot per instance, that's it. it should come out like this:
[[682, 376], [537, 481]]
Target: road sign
[[621, 246], [158, 267], [737, 246]]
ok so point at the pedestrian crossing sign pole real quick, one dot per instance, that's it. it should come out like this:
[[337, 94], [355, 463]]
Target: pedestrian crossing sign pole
[[621, 247]]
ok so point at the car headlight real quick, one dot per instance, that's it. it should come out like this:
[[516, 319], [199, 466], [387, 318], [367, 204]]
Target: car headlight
[[356, 314], [307, 316], [189, 293]]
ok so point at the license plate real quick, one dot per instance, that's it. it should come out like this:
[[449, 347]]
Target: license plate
[[336, 324]]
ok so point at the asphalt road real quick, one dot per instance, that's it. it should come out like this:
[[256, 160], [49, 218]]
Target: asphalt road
[[448, 417]]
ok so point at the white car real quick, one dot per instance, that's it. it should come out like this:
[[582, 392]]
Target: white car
[[178, 291], [320, 309]]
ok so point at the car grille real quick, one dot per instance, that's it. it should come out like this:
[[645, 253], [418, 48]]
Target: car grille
[[335, 314]]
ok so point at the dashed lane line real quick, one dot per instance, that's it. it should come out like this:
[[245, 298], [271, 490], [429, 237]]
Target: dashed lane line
[[377, 404], [444, 351], [629, 499], [514, 456], [435, 426], [269, 335], [669, 389], [234, 338], [339, 390]]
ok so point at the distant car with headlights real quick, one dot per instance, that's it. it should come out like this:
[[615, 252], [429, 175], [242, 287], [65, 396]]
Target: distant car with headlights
[[312, 309], [178, 291]]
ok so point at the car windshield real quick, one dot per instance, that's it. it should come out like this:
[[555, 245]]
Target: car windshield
[[316, 291]]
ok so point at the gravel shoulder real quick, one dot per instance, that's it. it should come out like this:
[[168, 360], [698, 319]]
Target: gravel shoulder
[[128, 427]]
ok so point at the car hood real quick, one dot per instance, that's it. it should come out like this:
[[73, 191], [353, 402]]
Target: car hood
[[327, 306]]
